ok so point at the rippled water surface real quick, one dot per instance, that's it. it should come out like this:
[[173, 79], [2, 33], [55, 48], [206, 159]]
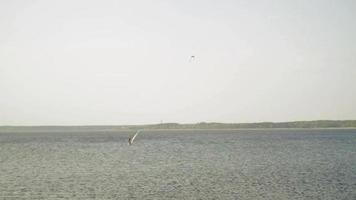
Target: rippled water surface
[[214, 164]]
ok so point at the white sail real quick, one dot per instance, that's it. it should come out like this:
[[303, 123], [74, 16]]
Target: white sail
[[131, 139]]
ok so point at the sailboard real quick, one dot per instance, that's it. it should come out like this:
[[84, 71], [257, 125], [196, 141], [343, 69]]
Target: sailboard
[[131, 139]]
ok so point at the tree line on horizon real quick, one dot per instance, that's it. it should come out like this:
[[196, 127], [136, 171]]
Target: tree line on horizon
[[296, 124]]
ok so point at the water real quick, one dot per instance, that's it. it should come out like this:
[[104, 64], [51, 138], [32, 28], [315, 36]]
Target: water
[[213, 164]]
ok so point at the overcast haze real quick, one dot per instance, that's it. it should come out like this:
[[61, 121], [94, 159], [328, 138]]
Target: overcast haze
[[128, 62]]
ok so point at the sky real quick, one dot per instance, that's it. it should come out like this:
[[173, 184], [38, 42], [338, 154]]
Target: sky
[[114, 62]]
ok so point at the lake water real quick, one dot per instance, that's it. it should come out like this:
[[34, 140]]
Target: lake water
[[194, 164]]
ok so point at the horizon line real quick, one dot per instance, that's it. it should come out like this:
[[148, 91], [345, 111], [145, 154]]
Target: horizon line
[[260, 122]]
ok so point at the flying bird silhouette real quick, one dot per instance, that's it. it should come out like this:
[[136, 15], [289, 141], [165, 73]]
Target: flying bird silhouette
[[191, 58]]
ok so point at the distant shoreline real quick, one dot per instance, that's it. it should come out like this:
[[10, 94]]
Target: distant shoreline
[[318, 124]]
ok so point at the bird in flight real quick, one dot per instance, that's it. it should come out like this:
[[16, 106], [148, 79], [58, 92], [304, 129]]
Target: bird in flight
[[191, 58]]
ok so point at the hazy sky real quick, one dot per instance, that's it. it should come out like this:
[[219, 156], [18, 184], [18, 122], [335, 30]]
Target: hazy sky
[[127, 61]]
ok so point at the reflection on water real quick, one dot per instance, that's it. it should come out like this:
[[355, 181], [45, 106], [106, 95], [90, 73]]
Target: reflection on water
[[214, 164]]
